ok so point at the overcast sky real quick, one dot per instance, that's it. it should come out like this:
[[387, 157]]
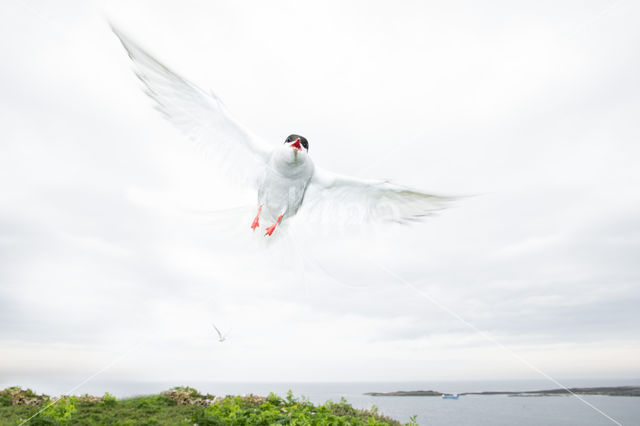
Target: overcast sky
[[112, 240]]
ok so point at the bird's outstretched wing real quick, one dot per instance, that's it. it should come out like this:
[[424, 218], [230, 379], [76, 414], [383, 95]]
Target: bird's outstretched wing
[[201, 116], [218, 331], [338, 200]]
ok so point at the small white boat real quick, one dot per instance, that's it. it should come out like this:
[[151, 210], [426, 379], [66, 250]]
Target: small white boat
[[450, 396]]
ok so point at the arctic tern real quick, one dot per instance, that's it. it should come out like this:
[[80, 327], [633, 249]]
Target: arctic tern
[[221, 337], [285, 177]]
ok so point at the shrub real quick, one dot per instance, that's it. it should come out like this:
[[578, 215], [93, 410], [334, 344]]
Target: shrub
[[109, 400], [289, 411], [61, 410], [5, 398]]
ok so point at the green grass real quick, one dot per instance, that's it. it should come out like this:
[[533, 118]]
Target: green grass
[[183, 406], [144, 410]]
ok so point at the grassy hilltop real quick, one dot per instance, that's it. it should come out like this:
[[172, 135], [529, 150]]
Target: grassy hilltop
[[179, 406]]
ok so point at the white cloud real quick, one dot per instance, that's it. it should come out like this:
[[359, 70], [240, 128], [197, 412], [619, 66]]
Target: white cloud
[[106, 235]]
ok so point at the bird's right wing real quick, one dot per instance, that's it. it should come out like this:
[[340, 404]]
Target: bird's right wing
[[343, 200], [201, 116]]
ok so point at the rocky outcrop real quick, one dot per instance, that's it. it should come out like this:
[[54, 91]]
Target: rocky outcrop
[[188, 396], [18, 396]]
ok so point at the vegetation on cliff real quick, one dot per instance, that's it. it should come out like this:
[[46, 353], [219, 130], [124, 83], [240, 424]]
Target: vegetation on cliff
[[180, 406]]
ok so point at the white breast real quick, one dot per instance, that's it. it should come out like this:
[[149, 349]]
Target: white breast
[[284, 182]]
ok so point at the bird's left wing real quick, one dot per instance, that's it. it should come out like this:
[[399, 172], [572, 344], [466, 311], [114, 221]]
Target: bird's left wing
[[217, 331], [200, 115], [339, 200]]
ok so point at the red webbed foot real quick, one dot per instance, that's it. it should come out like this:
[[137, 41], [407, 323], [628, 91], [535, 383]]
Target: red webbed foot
[[273, 227], [256, 221]]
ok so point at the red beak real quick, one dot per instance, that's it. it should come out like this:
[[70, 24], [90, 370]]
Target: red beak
[[296, 145]]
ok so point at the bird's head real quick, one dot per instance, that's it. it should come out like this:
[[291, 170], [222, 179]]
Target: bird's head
[[297, 142]]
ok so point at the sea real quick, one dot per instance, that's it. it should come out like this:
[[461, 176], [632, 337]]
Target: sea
[[468, 410]]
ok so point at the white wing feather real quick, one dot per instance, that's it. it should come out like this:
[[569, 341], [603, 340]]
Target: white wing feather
[[217, 331], [339, 200], [201, 116]]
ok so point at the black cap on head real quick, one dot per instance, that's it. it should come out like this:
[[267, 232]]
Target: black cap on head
[[303, 140]]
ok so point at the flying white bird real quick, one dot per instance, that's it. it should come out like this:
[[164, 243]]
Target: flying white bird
[[221, 337], [285, 177]]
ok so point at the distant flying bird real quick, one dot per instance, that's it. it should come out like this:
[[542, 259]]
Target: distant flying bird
[[221, 337], [285, 177]]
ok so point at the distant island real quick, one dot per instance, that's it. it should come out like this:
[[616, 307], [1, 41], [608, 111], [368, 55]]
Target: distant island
[[610, 391], [406, 393]]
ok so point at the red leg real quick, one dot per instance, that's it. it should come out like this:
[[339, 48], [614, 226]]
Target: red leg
[[256, 221], [273, 227]]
